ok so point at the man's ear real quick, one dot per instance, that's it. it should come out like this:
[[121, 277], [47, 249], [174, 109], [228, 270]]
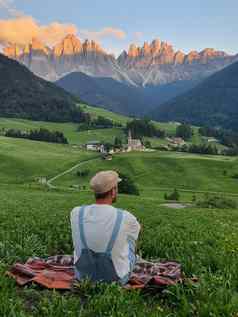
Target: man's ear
[[114, 192]]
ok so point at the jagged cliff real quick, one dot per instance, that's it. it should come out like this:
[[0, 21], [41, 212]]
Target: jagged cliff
[[154, 63], [68, 56], [158, 63]]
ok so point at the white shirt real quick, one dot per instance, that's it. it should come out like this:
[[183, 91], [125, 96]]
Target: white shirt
[[99, 221]]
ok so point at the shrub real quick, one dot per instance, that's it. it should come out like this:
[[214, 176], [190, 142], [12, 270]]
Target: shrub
[[173, 196], [127, 186], [216, 201], [83, 173], [184, 131]]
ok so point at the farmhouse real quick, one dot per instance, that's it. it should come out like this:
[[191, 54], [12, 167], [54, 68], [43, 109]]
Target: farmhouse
[[94, 146], [176, 141]]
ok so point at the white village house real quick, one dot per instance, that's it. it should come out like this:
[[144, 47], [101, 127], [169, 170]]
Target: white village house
[[95, 146]]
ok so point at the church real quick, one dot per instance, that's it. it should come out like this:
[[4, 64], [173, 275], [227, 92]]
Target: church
[[134, 144]]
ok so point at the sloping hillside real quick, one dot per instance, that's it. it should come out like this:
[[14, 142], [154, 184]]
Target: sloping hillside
[[105, 92], [24, 95], [214, 102], [121, 97]]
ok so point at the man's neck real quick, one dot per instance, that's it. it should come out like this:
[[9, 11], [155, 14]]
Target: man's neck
[[106, 201]]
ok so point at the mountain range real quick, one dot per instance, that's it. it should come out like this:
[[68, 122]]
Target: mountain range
[[214, 102], [153, 64], [136, 83], [139, 80]]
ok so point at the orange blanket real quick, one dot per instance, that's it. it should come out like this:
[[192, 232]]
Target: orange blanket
[[58, 273]]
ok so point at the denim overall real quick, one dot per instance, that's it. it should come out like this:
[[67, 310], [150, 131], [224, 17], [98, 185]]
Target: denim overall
[[97, 266]]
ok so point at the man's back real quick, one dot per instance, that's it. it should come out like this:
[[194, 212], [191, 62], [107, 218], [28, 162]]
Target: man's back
[[100, 230]]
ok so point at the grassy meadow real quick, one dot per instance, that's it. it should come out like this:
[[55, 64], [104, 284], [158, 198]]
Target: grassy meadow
[[156, 171], [204, 241], [70, 130], [34, 221], [76, 137]]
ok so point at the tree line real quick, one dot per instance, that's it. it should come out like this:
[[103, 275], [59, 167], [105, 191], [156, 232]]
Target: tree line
[[144, 127], [97, 123], [41, 134], [226, 137]]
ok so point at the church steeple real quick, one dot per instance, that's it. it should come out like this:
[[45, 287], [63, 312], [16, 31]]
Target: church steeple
[[129, 139]]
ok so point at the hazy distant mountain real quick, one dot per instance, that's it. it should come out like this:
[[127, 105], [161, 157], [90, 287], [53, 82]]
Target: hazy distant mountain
[[214, 102], [24, 95], [118, 96]]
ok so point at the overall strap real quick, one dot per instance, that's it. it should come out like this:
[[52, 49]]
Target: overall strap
[[81, 228], [115, 231]]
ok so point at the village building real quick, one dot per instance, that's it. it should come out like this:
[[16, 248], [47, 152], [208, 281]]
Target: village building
[[134, 144], [176, 141], [95, 146]]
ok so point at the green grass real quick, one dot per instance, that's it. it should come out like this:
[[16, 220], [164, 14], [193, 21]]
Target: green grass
[[169, 127], [167, 170], [70, 130], [22, 161], [34, 221], [204, 241], [96, 111], [102, 135]]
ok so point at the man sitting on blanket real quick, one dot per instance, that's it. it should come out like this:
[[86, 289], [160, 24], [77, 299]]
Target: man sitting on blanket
[[104, 237]]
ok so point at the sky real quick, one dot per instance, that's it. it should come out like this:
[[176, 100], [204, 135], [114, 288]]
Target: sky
[[188, 25]]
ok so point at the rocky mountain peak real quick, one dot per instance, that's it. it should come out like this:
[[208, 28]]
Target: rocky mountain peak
[[192, 57], [12, 51], [70, 45], [179, 57], [133, 51], [146, 49], [156, 46], [92, 46], [163, 53], [37, 45]]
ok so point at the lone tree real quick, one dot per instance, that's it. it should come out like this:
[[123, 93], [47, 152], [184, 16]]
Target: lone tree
[[175, 196], [127, 185], [184, 131]]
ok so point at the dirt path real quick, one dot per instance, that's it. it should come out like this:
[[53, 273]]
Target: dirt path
[[51, 180], [175, 205]]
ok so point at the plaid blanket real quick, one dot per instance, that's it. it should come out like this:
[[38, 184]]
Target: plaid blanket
[[57, 272]]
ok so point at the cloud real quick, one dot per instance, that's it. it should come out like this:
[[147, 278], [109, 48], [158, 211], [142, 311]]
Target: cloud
[[21, 30], [104, 33], [8, 7]]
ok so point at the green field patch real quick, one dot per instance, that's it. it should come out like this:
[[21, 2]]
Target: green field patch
[[70, 130], [22, 161], [161, 170], [37, 223]]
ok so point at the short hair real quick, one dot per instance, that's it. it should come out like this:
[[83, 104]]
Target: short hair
[[103, 195]]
